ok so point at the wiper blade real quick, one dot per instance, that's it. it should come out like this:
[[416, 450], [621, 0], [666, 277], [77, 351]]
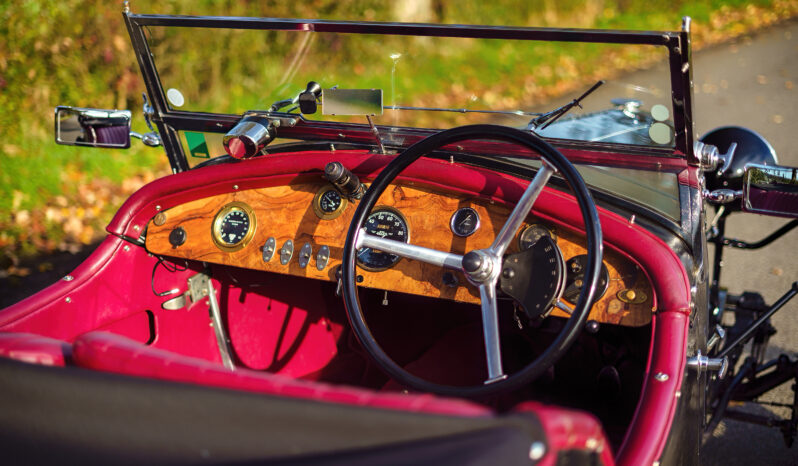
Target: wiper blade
[[550, 117]]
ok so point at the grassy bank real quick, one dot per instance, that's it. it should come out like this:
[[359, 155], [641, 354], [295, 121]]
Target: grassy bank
[[77, 52]]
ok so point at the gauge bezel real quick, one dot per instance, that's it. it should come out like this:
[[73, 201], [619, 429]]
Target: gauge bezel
[[528, 227], [454, 215], [217, 222], [398, 213], [317, 204]]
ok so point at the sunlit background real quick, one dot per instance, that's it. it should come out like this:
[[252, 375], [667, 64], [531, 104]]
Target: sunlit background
[[77, 52]]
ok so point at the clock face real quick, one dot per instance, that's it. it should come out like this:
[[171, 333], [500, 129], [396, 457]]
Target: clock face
[[233, 226]]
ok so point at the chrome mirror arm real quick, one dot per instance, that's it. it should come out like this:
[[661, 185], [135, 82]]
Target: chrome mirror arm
[[149, 139]]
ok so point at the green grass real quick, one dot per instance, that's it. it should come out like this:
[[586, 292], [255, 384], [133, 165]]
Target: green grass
[[77, 52]]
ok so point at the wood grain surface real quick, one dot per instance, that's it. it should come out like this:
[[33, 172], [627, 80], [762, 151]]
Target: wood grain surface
[[286, 212]]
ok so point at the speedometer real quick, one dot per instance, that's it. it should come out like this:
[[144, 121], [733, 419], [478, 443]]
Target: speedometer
[[387, 223]]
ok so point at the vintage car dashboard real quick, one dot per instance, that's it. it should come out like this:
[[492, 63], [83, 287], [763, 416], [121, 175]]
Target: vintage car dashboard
[[299, 229]]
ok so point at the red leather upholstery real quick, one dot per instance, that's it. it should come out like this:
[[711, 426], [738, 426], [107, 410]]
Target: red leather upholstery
[[35, 349], [112, 353], [569, 430]]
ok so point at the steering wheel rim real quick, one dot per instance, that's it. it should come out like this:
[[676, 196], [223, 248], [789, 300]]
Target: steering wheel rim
[[551, 157]]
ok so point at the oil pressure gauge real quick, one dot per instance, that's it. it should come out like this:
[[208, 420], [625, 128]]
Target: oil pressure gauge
[[328, 203], [464, 222], [233, 227]]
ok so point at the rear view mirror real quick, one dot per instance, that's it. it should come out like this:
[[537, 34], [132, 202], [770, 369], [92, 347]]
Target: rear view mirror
[[92, 127], [771, 190]]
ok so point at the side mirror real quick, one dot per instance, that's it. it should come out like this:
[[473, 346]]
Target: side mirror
[[92, 127], [771, 190]]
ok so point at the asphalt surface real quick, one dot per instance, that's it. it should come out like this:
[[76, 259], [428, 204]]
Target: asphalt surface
[[752, 82]]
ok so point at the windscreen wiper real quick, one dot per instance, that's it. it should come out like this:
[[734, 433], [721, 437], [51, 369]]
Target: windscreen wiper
[[550, 117]]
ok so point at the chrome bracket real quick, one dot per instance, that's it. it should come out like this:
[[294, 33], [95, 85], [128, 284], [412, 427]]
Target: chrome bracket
[[200, 286], [721, 196], [703, 364], [711, 159]]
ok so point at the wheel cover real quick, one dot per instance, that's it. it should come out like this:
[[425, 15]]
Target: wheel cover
[[552, 158]]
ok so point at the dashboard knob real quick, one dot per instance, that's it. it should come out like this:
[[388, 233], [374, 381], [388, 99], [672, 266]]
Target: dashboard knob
[[177, 237], [343, 179]]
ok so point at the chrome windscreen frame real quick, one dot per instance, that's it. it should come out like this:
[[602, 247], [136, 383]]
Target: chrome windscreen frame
[[169, 122]]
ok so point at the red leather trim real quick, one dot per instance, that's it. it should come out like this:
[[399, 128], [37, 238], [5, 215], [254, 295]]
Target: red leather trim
[[569, 430], [112, 353], [648, 432], [60, 290], [35, 349], [647, 435]]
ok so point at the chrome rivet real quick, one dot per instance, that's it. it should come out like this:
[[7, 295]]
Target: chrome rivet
[[68, 299], [157, 207], [536, 451], [661, 377], [136, 227], [235, 186], [126, 248], [68, 278]]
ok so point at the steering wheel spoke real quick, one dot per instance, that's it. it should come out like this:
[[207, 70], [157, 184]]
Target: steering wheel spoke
[[521, 210], [490, 330], [409, 251]]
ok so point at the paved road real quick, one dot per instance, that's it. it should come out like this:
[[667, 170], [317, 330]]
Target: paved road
[[754, 83]]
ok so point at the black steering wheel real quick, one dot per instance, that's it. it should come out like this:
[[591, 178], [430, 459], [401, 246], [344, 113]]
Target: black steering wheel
[[482, 267]]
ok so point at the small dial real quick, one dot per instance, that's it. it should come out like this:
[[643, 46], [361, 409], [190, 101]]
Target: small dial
[[328, 203], [387, 223], [464, 222], [575, 268], [531, 234], [233, 226]]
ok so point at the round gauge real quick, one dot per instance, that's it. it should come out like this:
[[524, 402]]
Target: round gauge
[[464, 222], [531, 234], [328, 203], [233, 226], [387, 223], [575, 268]]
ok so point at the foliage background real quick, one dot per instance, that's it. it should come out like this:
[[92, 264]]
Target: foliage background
[[77, 52]]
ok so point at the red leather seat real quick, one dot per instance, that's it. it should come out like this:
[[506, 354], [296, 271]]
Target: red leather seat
[[35, 349], [108, 352]]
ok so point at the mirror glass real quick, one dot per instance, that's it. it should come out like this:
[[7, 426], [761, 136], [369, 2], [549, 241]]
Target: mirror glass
[[92, 127], [771, 190], [351, 101]]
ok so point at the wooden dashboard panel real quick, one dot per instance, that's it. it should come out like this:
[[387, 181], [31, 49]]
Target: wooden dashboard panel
[[286, 212]]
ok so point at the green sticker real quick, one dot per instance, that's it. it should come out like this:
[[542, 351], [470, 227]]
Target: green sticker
[[197, 146]]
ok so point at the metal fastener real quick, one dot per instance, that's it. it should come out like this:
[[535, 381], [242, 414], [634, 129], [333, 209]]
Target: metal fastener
[[68, 278], [126, 248], [68, 299], [235, 186], [661, 377]]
